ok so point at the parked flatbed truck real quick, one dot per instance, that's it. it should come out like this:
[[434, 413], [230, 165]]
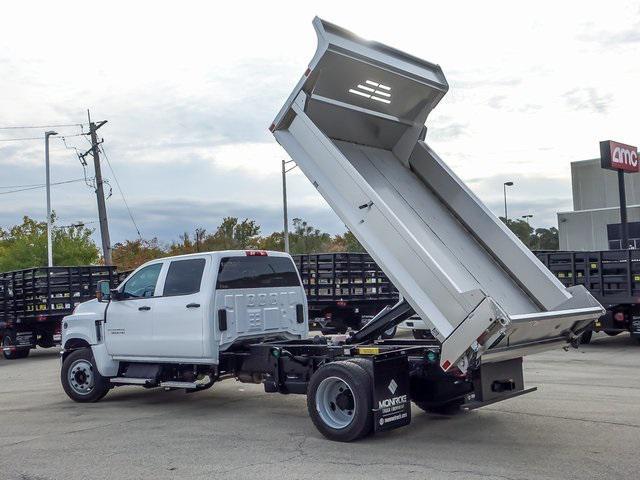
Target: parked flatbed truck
[[354, 124], [344, 290], [612, 277], [33, 302]]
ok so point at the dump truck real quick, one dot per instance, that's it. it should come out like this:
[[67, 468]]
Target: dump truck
[[354, 124]]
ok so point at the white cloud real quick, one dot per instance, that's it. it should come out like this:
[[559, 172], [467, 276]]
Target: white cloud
[[189, 92]]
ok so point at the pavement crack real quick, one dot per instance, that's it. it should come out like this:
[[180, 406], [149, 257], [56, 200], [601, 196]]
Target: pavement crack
[[560, 417]]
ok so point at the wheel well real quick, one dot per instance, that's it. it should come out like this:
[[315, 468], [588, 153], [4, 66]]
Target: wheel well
[[74, 344]]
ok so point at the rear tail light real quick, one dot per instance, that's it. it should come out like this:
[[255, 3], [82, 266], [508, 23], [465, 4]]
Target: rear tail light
[[256, 253], [618, 316]]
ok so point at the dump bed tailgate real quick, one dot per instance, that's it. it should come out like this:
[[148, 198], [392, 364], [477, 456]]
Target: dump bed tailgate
[[354, 124]]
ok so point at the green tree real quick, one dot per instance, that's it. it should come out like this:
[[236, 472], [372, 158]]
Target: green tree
[[275, 241], [232, 234], [546, 239], [25, 245], [521, 229], [306, 238]]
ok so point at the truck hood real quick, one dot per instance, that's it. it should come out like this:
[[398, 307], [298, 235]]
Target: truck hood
[[92, 306]]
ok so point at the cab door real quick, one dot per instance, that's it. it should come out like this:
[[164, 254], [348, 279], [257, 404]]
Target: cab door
[[181, 309], [129, 318]]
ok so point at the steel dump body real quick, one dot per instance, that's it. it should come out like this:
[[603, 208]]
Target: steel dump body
[[354, 124]]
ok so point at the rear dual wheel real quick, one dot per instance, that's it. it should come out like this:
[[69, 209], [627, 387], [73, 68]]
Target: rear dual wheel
[[10, 351], [339, 400]]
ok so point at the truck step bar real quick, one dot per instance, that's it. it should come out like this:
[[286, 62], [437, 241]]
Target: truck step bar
[[176, 384], [148, 382], [355, 125]]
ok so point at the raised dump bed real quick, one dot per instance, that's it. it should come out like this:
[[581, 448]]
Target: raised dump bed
[[355, 125]]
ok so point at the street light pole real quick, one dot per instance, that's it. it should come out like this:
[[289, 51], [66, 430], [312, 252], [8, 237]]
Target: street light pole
[[48, 182], [504, 187], [284, 203], [527, 217]]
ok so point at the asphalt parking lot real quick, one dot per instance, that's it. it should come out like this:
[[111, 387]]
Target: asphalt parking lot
[[583, 422]]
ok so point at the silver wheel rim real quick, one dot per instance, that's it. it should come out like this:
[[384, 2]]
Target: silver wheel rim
[[81, 377], [335, 402]]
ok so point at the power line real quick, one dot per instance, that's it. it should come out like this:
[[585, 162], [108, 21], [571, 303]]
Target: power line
[[43, 126], [22, 186], [120, 190], [35, 187], [19, 139]]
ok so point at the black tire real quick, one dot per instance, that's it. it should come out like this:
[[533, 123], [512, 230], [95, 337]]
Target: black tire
[[46, 342], [13, 353], [421, 334], [612, 333], [451, 408], [586, 336], [354, 418], [85, 384]]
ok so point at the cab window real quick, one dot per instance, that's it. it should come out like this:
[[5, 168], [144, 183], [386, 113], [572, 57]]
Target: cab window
[[257, 272], [143, 283], [184, 277]]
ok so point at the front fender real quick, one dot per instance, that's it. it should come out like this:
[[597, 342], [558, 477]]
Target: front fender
[[81, 326]]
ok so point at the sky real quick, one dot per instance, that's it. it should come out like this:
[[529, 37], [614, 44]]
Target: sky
[[190, 88]]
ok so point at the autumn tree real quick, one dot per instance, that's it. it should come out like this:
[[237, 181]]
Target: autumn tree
[[131, 254], [346, 242]]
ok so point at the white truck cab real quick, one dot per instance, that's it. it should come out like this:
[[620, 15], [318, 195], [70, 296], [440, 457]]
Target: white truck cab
[[182, 310]]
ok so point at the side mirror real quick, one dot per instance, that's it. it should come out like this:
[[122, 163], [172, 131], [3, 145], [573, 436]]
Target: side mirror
[[104, 291]]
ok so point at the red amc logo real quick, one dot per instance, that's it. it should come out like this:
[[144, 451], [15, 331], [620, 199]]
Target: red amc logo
[[618, 156]]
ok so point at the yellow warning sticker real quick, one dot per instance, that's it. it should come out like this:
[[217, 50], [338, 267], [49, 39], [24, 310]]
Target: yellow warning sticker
[[368, 350]]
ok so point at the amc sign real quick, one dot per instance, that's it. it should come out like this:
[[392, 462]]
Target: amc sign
[[618, 156]]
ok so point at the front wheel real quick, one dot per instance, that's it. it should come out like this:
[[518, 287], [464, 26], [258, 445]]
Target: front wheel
[[339, 401], [80, 378], [10, 351]]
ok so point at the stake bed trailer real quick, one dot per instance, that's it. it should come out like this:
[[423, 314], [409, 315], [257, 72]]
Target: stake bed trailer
[[354, 124], [33, 302], [612, 277], [343, 289]]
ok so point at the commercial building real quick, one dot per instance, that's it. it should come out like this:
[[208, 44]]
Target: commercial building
[[594, 223]]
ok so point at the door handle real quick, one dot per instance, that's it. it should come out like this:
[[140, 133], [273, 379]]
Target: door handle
[[193, 305], [145, 308]]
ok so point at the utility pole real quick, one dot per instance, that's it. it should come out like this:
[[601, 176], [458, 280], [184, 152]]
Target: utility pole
[[504, 187], [285, 170], [102, 207], [48, 182]]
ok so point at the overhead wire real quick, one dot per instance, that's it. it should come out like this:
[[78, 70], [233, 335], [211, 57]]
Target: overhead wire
[[19, 139], [42, 185], [126, 204], [42, 126]]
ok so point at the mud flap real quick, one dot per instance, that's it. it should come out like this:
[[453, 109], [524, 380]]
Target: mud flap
[[391, 403], [25, 340]]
